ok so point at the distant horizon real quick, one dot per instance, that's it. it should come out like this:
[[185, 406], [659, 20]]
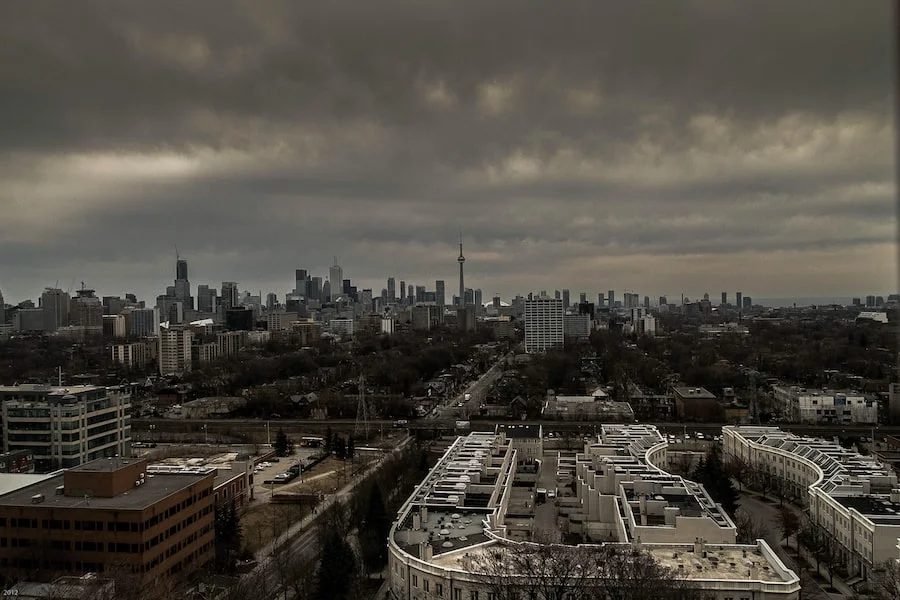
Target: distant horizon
[[630, 145]]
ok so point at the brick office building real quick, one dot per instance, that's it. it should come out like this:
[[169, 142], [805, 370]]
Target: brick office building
[[108, 514]]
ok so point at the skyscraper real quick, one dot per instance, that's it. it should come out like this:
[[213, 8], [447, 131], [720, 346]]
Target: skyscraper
[[479, 302], [86, 310], [543, 324], [738, 300], [391, 289], [336, 275], [724, 298], [440, 293], [565, 298], [182, 291], [462, 286], [611, 294], [315, 288], [55, 304], [301, 282], [402, 291], [229, 295]]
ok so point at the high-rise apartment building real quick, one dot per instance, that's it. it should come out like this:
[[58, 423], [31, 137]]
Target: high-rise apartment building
[[301, 283], [748, 303], [142, 322], [543, 324], [724, 298], [271, 301], [565, 299], [479, 302], [66, 426], [175, 350], [206, 299], [402, 291], [440, 294], [611, 294], [136, 355], [738, 300], [55, 304], [315, 289]]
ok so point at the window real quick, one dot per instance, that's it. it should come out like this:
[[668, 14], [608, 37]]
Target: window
[[415, 581], [425, 584], [457, 594], [473, 595], [439, 588]]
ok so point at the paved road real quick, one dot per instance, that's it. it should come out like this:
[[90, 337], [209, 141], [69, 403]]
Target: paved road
[[768, 514], [301, 539], [477, 390]]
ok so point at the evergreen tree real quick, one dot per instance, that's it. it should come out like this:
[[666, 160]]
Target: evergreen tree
[[711, 473], [374, 533], [340, 449], [281, 443], [338, 570]]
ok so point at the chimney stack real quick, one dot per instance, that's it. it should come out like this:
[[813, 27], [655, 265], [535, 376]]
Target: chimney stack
[[698, 546]]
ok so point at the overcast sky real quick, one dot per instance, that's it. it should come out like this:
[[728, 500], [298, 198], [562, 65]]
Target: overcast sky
[[662, 147]]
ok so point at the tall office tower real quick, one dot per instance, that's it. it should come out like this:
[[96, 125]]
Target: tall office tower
[[557, 294], [646, 301], [420, 293], [748, 302], [271, 301], [543, 324], [582, 297], [479, 302], [601, 300], [204, 301], [391, 289], [663, 301], [55, 304], [706, 296], [365, 299], [181, 269], [112, 305], [402, 291], [737, 300], [326, 291], [724, 298], [440, 296], [336, 276], [469, 298], [462, 286], [315, 288], [175, 350], [301, 277], [611, 294], [86, 310], [565, 298], [182, 291], [229, 295]]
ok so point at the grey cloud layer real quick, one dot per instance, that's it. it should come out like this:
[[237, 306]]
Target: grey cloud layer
[[261, 136]]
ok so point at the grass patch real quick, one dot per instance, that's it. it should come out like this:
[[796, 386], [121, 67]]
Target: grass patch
[[261, 522]]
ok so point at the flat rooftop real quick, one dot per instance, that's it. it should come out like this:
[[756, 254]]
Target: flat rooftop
[[105, 465], [515, 432], [877, 506], [155, 488]]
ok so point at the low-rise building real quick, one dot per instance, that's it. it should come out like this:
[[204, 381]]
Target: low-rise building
[[17, 461], [526, 440], [854, 499], [595, 407], [697, 405], [108, 514], [468, 512], [66, 426], [840, 407]]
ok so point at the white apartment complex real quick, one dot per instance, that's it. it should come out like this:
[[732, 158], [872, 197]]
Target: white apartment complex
[[854, 498], [66, 426], [473, 505], [802, 405], [544, 324], [175, 350], [134, 356]]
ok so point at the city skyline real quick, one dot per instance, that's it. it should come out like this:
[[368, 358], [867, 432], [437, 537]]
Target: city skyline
[[634, 146]]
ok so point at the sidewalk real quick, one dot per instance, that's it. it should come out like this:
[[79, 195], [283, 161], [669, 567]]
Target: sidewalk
[[809, 561]]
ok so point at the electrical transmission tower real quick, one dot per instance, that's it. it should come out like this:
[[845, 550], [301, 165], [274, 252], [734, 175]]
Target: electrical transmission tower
[[362, 410]]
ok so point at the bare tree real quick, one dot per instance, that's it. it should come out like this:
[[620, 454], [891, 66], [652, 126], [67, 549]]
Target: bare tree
[[887, 581], [788, 524], [739, 470], [749, 528], [551, 571]]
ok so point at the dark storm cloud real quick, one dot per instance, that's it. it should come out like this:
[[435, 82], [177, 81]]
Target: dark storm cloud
[[269, 135]]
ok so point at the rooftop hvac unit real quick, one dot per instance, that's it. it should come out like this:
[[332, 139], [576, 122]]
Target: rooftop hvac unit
[[60, 490], [37, 498]]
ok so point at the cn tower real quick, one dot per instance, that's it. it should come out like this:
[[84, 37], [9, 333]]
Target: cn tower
[[462, 284]]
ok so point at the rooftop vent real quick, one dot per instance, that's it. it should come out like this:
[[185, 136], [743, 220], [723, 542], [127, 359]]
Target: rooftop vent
[[37, 498]]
